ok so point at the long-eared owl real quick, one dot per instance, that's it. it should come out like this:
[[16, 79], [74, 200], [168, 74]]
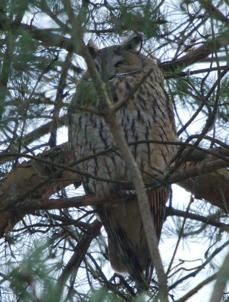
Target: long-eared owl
[[146, 117]]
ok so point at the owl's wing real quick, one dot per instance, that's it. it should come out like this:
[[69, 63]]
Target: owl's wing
[[128, 250]]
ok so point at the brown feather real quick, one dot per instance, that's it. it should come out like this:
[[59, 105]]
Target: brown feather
[[145, 115]]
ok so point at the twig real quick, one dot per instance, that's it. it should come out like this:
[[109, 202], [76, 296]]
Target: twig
[[180, 235], [208, 260], [197, 54], [197, 288], [188, 73], [207, 220], [79, 253], [213, 11]]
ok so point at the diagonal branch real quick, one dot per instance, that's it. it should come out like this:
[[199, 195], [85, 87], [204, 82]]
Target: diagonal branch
[[143, 202], [119, 139], [79, 252], [197, 54], [195, 289]]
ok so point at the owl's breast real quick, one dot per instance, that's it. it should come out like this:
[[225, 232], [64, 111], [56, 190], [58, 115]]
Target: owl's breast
[[144, 117]]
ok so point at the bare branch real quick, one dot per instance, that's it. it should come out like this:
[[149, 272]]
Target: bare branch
[[207, 220], [208, 260], [79, 253], [197, 288], [214, 12], [198, 54]]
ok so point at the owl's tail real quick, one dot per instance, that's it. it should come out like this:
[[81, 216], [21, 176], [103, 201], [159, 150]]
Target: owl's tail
[[128, 249]]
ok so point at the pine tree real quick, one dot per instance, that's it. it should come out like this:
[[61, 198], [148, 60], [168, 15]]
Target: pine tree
[[53, 248]]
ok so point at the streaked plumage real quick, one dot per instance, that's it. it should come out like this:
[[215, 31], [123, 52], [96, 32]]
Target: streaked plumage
[[145, 116]]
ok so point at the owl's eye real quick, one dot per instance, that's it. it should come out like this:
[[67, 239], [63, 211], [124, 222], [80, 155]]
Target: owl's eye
[[119, 63]]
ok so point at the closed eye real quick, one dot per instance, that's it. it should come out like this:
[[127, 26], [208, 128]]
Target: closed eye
[[119, 63]]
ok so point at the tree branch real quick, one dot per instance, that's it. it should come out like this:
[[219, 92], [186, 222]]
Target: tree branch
[[65, 203], [36, 179], [48, 38], [207, 220], [79, 252], [213, 186], [197, 54], [221, 281], [213, 11], [197, 288]]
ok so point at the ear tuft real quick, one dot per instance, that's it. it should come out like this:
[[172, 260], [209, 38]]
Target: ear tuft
[[133, 41], [92, 48]]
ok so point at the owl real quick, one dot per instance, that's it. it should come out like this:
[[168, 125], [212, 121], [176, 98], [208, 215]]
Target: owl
[[146, 117]]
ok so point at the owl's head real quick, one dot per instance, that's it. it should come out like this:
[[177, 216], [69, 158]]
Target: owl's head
[[119, 59]]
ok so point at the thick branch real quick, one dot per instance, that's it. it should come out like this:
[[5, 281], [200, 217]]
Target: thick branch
[[39, 178], [92, 200], [76, 202], [36, 179], [206, 176], [213, 187]]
